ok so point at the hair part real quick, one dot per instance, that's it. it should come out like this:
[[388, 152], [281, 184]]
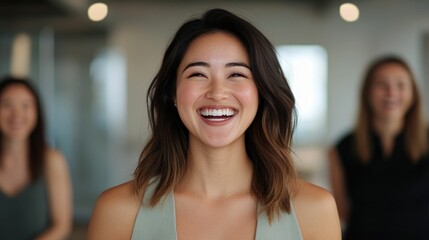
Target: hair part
[[415, 134], [37, 143], [268, 139]]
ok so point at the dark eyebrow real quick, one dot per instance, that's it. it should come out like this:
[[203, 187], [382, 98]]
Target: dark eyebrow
[[193, 64], [237, 64]]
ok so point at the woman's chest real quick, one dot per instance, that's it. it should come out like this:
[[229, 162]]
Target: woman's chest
[[229, 219]]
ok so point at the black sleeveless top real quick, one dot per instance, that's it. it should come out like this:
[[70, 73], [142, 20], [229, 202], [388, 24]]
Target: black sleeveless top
[[389, 198], [26, 215]]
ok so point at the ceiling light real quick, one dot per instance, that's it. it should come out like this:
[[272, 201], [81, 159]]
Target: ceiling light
[[97, 12], [349, 12]]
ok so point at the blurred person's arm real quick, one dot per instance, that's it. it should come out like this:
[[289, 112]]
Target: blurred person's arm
[[337, 179], [114, 214], [60, 196]]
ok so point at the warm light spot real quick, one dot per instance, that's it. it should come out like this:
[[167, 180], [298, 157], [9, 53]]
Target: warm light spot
[[97, 11], [349, 12], [21, 55]]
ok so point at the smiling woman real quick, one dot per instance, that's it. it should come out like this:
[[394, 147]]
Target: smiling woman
[[380, 171], [35, 188], [218, 164]]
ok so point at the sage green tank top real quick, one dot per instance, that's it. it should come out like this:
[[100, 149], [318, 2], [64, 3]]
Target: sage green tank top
[[159, 222], [26, 215]]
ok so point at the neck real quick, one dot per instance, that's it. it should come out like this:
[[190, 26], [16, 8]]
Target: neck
[[14, 156], [218, 172], [387, 131], [387, 128], [14, 147]]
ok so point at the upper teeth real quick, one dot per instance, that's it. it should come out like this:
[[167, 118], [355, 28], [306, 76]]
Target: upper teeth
[[217, 112]]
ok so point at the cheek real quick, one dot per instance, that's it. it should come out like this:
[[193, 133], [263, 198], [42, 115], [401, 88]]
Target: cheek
[[4, 114], [33, 116], [375, 95], [186, 94], [409, 97], [376, 92], [3, 117], [248, 94]]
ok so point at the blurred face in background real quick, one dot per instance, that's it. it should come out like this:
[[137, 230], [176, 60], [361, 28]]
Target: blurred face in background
[[18, 114], [391, 92]]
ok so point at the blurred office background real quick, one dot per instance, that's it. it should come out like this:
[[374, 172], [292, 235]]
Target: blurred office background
[[93, 75]]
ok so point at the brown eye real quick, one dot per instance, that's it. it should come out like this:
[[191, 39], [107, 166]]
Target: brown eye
[[196, 74], [402, 84], [5, 104], [237, 74]]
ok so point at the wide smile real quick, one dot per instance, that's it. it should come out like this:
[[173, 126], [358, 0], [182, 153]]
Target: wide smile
[[217, 114], [16, 124], [391, 104]]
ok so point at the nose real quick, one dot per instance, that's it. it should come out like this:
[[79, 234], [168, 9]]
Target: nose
[[391, 90], [217, 89]]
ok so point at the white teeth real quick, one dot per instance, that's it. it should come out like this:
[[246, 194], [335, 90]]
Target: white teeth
[[228, 112]]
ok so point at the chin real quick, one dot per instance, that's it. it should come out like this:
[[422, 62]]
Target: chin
[[220, 142]]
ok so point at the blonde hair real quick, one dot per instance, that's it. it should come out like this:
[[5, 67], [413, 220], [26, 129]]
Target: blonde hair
[[415, 134]]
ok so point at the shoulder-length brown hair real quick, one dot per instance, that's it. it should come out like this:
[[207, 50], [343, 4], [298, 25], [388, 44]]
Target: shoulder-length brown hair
[[415, 135], [268, 138], [37, 136]]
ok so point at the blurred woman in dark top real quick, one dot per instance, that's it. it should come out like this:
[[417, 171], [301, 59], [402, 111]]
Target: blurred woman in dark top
[[380, 171], [35, 188]]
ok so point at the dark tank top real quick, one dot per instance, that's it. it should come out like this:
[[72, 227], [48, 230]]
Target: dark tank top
[[26, 215], [389, 197]]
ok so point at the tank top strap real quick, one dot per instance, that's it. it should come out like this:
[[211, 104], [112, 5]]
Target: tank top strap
[[157, 222], [285, 227]]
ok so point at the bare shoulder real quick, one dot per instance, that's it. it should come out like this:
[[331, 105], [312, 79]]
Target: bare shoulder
[[55, 160], [121, 195], [55, 165], [311, 194], [316, 212], [54, 153], [114, 213]]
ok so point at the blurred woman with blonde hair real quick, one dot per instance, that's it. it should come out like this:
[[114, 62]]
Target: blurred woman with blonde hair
[[380, 171]]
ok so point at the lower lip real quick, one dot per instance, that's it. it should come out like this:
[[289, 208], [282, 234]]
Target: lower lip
[[391, 106], [218, 121]]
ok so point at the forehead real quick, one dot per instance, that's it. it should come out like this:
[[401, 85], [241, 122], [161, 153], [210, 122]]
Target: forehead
[[217, 44], [17, 91], [392, 69]]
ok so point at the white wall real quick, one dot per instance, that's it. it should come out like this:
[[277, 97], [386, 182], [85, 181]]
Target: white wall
[[390, 26]]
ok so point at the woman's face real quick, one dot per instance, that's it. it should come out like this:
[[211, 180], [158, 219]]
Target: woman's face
[[216, 96], [17, 112], [391, 92]]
